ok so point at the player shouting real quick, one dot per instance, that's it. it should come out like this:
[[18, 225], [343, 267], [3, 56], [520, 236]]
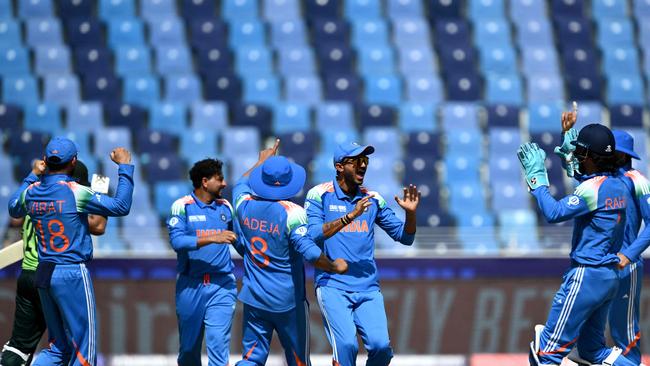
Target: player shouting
[[274, 234], [59, 209], [598, 206], [342, 214], [206, 290]]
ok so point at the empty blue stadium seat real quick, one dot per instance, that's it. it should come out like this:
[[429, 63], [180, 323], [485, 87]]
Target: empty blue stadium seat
[[452, 31], [296, 61], [539, 60], [342, 87], [333, 116], [101, 87], [110, 138], [584, 87], [463, 86], [114, 9], [376, 115], [132, 60], [247, 33], [498, 59], [492, 31], [10, 117], [322, 8], [173, 60], [226, 87], [369, 32], [615, 32], [261, 89], [616, 59], [457, 58], [424, 89], [154, 142], [240, 141], [575, 8], [254, 115], [626, 115], [10, 34], [480, 9], [125, 115], [43, 117], [414, 116], [299, 146], [27, 144], [164, 167], [330, 30], [502, 115], [238, 9], [462, 116], [166, 31], [625, 88], [386, 90], [573, 31], [20, 90], [288, 33], [52, 60], [423, 143], [208, 115], [411, 31], [213, 60], [581, 59], [6, 9], [14, 61], [461, 168], [504, 88], [61, 89], [123, 32], [330, 141], [503, 141], [466, 199], [417, 62], [289, 117], [84, 32], [445, 8], [385, 140], [166, 193], [207, 32], [280, 10], [534, 32], [76, 8], [404, 9], [152, 9], [183, 88], [376, 60], [589, 112], [303, 89], [544, 88], [544, 116], [253, 60], [168, 117], [85, 116], [641, 8], [197, 144], [93, 60], [35, 9], [141, 90]]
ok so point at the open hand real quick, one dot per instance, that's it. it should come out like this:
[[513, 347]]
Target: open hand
[[410, 200], [361, 206]]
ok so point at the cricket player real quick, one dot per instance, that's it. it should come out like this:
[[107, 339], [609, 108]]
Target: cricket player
[[341, 216], [29, 322], [206, 290], [274, 234], [59, 209], [598, 206]]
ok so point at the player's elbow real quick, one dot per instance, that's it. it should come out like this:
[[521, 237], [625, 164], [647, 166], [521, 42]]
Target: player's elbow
[[97, 225]]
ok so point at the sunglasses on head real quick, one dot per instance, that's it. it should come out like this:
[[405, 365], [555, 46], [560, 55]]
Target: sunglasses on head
[[357, 160]]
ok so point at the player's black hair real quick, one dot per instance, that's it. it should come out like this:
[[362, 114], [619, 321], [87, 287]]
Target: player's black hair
[[206, 168], [54, 164], [605, 163]]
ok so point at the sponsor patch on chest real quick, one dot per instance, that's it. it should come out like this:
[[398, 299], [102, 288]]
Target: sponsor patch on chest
[[196, 218], [338, 208]]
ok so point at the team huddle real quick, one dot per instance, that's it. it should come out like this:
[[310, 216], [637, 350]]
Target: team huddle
[[334, 231]]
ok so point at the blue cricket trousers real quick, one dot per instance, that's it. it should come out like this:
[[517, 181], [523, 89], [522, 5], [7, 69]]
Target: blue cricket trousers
[[69, 309], [345, 313], [291, 326], [205, 305], [578, 316], [624, 312]]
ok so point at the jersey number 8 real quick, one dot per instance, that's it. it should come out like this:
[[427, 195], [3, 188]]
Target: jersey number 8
[[260, 252]]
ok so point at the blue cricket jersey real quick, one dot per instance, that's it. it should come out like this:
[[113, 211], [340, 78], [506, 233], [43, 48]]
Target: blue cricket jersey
[[638, 208], [59, 209], [598, 207], [191, 219], [274, 234], [356, 242]]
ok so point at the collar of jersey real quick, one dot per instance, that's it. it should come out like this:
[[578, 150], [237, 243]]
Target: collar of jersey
[[53, 178], [342, 196], [202, 204]]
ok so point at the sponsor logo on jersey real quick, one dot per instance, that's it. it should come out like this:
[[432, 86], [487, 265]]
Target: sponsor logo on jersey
[[573, 201], [173, 221], [338, 208], [302, 231], [223, 217], [196, 218]]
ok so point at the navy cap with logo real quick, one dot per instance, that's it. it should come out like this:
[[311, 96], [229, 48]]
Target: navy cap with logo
[[60, 150], [596, 138], [351, 149]]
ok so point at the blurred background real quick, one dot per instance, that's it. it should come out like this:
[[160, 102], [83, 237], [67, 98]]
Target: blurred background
[[445, 90]]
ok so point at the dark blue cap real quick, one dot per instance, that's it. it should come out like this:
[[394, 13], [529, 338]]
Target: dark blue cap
[[277, 179], [60, 150], [625, 143], [597, 139], [351, 149]]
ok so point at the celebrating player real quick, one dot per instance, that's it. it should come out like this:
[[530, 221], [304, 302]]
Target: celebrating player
[[29, 322], [274, 233], [579, 310], [59, 209], [342, 214], [206, 290]]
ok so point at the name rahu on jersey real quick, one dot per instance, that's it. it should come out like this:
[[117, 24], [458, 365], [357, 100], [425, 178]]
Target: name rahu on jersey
[[264, 226], [615, 203]]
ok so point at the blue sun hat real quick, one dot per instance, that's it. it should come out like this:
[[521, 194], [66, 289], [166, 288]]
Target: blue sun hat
[[625, 143], [277, 179]]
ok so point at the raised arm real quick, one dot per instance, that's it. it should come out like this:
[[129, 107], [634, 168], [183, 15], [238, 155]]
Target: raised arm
[[120, 205]]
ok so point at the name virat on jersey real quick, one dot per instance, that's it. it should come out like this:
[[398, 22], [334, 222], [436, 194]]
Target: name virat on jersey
[[46, 207]]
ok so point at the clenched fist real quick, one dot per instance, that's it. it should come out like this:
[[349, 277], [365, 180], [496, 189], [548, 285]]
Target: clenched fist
[[120, 155]]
